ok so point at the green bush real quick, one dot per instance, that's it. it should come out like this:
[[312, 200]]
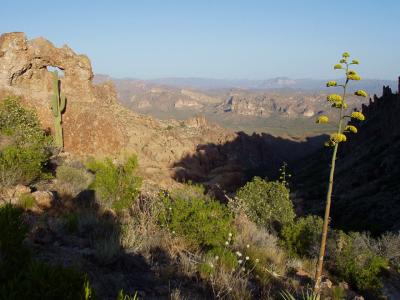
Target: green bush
[[23, 278], [303, 236], [267, 203], [223, 257], [26, 201], [24, 159], [116, 186], [13, 230], [72, 180], [202, 220], [388, 246], [358, 264]]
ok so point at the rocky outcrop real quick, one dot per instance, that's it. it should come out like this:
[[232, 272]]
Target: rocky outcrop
[[94, 122], [87, 123], [295, 104]]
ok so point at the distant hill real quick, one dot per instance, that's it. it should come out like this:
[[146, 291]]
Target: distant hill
[[372, 86], [279, 106]]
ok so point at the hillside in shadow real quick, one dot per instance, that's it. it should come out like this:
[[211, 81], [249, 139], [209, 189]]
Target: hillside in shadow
[[77, 233], [233, 163], [366, 192]]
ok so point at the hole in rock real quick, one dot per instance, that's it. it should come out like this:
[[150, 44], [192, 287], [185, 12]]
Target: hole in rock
[[52, 69]]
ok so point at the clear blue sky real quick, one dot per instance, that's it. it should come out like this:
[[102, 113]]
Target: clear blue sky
[[217, 39]]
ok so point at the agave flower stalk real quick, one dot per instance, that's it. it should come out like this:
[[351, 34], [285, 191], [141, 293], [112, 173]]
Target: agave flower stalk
[[338, 102]]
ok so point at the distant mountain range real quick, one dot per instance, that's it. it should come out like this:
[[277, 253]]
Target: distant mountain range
[[372, 86]]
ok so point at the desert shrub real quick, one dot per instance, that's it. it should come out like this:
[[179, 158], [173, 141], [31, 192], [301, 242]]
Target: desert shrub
[[358, 264], [106, 240], [260, 245], [21, 277], [24, 159], [123, 296], [200, 219], [388, 246], [72, 180], [267, 203], [223, 257], [303, 236], [21, 165], [116, 186], [13, 230], [26, 201]]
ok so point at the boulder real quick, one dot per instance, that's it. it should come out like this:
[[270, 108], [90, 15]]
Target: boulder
[[43, 199]]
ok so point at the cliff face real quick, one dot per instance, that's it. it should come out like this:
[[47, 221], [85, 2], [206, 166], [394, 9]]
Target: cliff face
[[367, 185], [94, 122]]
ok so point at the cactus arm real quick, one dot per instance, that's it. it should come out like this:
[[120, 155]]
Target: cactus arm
[[62, 102]]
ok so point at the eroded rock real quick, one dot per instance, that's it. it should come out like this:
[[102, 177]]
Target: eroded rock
[[94, 123]]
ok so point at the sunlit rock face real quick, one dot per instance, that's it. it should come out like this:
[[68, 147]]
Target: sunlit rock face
[[94, 122]]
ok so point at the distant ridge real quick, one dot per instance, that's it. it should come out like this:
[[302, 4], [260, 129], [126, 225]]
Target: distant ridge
[[372, 86]]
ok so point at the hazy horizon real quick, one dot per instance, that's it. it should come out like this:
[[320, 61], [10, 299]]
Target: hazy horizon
[[240, 78], [252, 40]]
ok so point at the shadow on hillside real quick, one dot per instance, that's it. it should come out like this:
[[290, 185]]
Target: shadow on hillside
[[232, 164], [77, 233]]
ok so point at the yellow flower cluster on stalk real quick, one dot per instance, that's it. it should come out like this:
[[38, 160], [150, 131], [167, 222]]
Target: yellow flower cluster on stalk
[[322, 119], [338, 137], [361, 93], [351, 128], [352, 75], [357, 115], [337, 101]]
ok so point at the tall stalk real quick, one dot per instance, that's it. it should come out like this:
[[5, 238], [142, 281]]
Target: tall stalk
[[336, 138]]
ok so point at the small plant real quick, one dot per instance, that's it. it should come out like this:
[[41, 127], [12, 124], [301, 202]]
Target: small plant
[[123, 296], [338, 293], [286, 295], [267, 203], [202, 220], [106, 240], [388, 246], [302, 237], [337, 102], [228, 270], [284, 175], [116, 186], [58, 102], [26, 201], [71, 180]]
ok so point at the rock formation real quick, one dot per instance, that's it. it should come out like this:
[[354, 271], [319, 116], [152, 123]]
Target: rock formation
[[94, 122]]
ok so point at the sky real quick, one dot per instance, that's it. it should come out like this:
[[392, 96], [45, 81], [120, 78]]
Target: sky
[[217, 39]]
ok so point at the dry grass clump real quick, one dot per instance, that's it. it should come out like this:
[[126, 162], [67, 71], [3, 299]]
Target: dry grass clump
[[71, 180], [260, 245]]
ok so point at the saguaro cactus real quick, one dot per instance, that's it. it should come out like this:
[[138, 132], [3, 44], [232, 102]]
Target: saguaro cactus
[[58, 102]]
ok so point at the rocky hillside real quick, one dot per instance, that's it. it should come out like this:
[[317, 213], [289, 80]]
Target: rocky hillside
[[366, 189], [249, 110], [94, 122]]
